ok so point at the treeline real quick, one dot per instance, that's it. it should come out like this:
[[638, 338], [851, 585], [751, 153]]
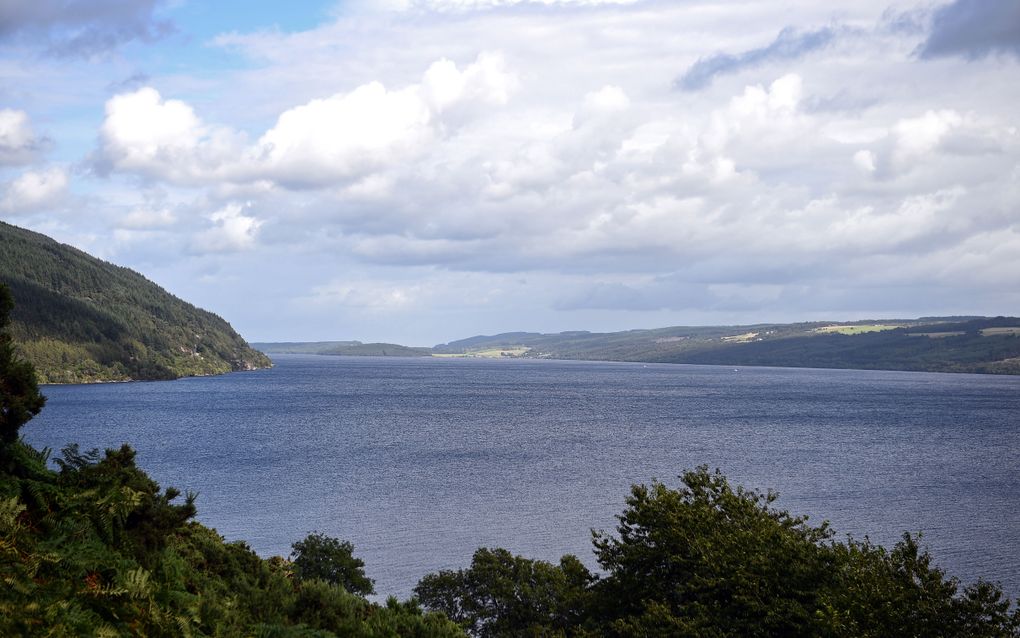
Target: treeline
[[898, 349], [80, 319], [94, 547]]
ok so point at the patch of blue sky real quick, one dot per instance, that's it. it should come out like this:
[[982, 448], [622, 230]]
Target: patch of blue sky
[[190, 49]]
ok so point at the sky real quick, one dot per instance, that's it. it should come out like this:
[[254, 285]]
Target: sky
[[418, 171]]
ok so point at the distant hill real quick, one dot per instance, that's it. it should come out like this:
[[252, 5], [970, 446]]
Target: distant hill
[[79, 319], [948, 344], [344, 348]]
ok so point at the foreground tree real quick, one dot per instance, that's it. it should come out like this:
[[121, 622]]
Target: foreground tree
[[20, 399], [325, 558], [707, 559], [506, 595]]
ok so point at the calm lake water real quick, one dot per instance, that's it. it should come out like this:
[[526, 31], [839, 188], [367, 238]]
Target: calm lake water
[[420, 461]]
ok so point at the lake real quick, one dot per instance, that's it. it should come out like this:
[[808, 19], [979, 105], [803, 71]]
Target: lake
[[420, 461]]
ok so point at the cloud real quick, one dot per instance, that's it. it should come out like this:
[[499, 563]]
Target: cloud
[[974, 29], [19, 145], [34, 191], [324, 142], [450, 6], [147, 218], [790, 44], [840, 170], [80, 28], [366, 295], [145, 134], [231, 231], [136, 80]]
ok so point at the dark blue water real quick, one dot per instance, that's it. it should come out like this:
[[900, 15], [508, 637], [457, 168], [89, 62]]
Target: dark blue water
[[420, 461]]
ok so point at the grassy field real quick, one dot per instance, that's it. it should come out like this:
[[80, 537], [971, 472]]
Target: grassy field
[[744, 338], [490, 353], [855, 330], [1013, 330]]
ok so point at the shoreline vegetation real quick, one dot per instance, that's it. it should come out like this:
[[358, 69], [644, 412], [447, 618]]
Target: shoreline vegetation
[[90, 545]]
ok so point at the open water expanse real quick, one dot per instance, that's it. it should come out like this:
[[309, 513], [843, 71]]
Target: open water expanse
[[420, 461]]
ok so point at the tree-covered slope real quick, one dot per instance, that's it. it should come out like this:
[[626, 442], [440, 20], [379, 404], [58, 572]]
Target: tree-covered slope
[[948, 344], [80, 319]]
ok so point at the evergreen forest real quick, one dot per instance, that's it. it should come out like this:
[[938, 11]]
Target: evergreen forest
[[80, 319]]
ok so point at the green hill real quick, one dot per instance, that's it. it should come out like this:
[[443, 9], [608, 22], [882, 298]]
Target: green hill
[[947, 344], [79, 319]]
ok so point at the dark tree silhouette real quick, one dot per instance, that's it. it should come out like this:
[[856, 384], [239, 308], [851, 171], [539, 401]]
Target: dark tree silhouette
[[20, 399]]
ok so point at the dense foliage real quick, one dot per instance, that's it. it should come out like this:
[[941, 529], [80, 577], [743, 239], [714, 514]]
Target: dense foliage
[[97, 549], [19, 395], [332, 560], [706, 559], [80, 319], [506, 595]]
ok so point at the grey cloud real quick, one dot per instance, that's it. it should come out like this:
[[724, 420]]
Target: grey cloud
[[974, 29], [661, 294], [80, 28], [23, 154], [134, 81], [788, 45]]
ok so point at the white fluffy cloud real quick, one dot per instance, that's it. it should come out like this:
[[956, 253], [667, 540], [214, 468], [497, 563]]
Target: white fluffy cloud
[[230, 230], [164, 139], [821, 163], [18, 143], [34, 191], [318, 144]]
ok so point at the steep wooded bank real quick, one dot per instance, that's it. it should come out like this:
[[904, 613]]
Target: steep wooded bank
[[79, 319]]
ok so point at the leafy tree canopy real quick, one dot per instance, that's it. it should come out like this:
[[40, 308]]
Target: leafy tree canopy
[[506, 595], [708, 559], [325, 558], [20, 399]]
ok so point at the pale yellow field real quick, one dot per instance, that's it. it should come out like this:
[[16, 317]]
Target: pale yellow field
[[744, 338], [855, 330], [491, 353], [1015, 330]]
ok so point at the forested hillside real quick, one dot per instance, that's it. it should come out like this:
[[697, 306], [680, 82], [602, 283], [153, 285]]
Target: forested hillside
[[932, 344], [80, 319]]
